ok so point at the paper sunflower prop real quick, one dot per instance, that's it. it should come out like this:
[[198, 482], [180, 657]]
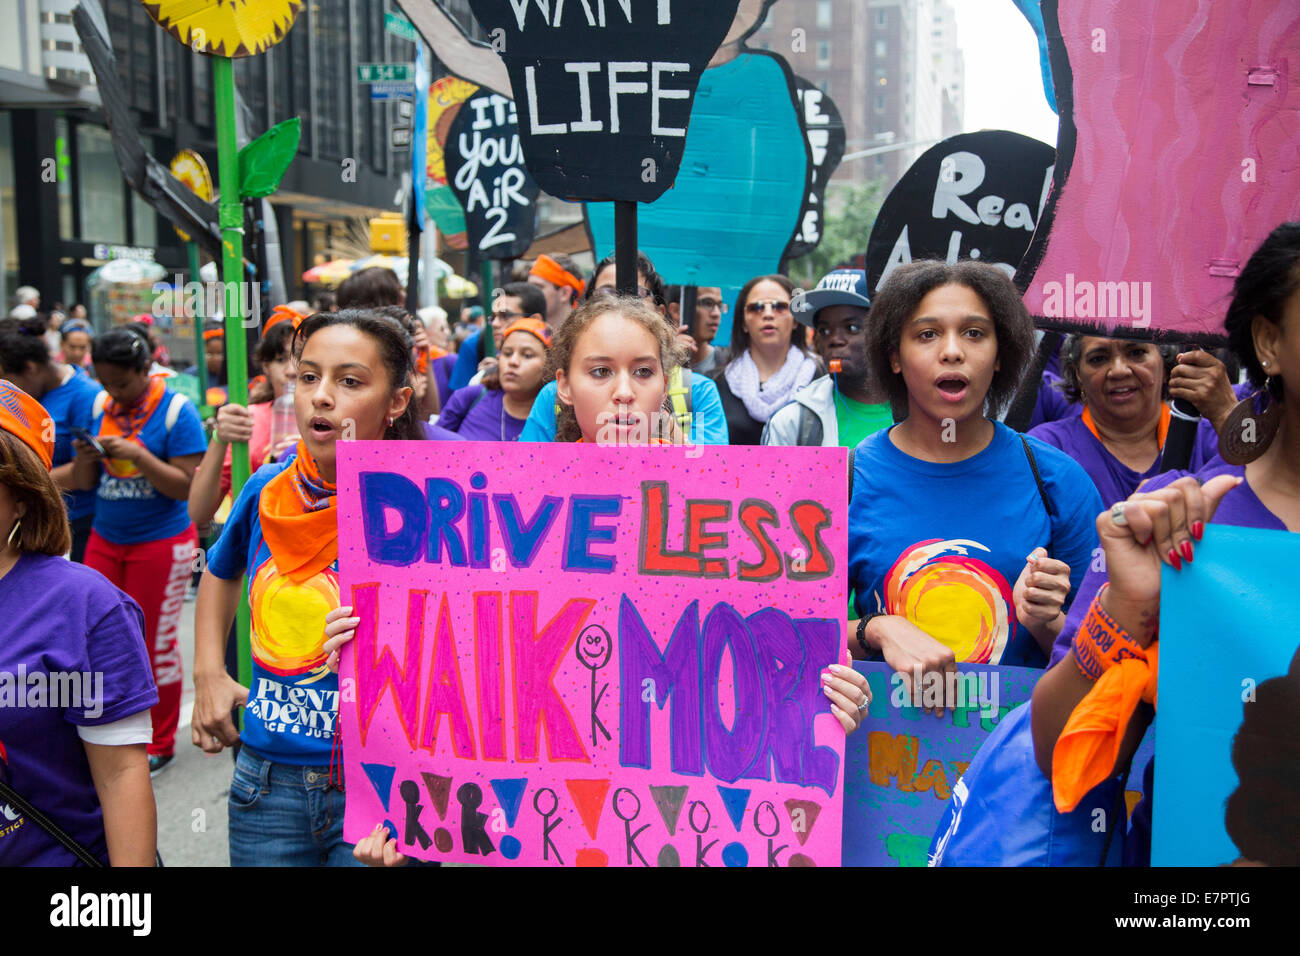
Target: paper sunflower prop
[[225, 27]]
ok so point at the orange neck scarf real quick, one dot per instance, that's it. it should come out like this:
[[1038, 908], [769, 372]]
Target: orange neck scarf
[[1162, 430], [1088, 748], [127, 422], [300, 519]]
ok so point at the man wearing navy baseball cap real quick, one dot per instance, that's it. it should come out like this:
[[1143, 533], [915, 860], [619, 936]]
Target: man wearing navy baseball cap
[[842, 407]]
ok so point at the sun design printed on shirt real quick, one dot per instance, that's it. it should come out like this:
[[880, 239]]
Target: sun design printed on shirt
[[956, 598], [120, 467], [288, 621]]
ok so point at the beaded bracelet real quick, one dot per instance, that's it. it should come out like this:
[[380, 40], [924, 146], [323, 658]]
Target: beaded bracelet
[[1100, 642]]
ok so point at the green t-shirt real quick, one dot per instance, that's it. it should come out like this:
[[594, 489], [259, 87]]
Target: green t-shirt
[[856, 421]]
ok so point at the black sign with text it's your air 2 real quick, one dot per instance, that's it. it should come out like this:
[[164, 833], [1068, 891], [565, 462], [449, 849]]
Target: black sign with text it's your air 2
[[604, 87]]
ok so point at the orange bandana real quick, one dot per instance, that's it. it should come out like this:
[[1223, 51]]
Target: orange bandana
[[213, 334], [547, 268], [534, 327], [1086, 752], [300, 520], [282, 313], [1161, 431], [27, 420], [127, 422]]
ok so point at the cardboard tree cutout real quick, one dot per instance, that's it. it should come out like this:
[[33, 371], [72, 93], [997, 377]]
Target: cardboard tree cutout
[[486, 171], [223, 30], [1176, 158], [824, 129], [973, 196], [748, 170], [604, 90]]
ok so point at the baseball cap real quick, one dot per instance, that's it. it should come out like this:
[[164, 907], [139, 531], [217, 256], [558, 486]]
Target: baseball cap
[[841, 287]]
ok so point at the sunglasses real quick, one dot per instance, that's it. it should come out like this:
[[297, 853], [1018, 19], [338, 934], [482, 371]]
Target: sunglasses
[[758, 308], [504, 317]]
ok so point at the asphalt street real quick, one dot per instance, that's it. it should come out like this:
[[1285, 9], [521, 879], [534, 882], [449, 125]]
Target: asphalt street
[[191, 792]]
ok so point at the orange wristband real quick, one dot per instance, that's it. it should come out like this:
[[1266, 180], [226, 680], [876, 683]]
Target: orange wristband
[[1100, 643]]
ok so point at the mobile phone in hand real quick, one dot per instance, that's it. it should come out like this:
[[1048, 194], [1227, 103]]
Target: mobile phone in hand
[[82, 435]]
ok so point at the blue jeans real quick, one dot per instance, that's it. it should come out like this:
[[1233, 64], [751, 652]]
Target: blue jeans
[[285, 815]]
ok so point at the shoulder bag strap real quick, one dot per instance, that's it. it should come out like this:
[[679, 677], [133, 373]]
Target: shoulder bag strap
[[11, 796]]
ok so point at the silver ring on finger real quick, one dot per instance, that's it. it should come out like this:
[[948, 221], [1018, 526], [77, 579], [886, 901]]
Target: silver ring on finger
[[862, 707], [1117, 514]]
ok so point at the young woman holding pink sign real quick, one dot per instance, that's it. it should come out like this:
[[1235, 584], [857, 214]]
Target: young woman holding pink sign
[[283, 533], [611, 361]]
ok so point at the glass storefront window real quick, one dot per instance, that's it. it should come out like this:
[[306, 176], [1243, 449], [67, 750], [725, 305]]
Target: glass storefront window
[[101, 194]]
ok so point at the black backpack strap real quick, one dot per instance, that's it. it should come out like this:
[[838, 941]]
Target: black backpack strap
[[1038, 479], [1042, 493], [853, 454], [810, 427], [11, 796]]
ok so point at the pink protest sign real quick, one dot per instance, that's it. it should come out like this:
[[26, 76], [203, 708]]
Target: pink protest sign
[[1176, 158], [584, 655]]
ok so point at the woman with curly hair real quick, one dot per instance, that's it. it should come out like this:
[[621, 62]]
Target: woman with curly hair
[[967, 540]]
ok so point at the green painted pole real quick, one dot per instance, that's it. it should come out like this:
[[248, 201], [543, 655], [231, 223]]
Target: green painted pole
[[200, 362], [231, 213], [485, 274]]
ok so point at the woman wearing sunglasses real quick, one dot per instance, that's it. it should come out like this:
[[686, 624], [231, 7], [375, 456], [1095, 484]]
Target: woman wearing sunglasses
[[771, 363]]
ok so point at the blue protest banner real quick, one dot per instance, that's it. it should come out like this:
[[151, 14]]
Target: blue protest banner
[[1228, 702], [901, 765]]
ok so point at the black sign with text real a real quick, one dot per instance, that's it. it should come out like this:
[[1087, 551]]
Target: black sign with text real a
[[604, 87]]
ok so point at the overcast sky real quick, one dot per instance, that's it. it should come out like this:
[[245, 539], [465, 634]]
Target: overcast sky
[[1004, 87]]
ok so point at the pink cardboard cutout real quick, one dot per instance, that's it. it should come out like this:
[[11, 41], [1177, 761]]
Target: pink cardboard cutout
[[1179, 152], [583, 655]]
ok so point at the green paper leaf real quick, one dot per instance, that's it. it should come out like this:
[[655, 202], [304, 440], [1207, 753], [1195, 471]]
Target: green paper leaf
[[264, 161]]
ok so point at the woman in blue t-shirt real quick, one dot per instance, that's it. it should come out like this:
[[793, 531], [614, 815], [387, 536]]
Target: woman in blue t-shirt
[[148, 440], [966, 540], [69, 397], [285, 810]]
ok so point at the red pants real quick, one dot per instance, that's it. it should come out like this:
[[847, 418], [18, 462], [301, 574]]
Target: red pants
[[157, 575]]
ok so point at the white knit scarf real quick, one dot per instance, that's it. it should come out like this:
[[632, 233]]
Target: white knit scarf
[[761, 401]]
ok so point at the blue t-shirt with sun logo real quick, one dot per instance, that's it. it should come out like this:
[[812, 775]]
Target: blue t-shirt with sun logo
[[943, 544], [293, 702], [128, 508]]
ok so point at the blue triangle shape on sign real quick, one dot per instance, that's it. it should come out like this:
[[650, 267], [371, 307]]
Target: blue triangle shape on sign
[[510, 793], [381, 778], [735, 801]]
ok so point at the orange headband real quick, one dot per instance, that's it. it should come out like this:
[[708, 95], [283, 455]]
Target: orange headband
[[213, 334], [27, 420], [547, 268], [282, 313], [532, 327]]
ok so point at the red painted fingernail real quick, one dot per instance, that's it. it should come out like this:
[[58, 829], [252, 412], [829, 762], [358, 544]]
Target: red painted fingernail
[[1175, 560], [1186, 550], [1198, 530]]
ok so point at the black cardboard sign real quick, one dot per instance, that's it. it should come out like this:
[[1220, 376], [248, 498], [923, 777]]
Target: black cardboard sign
[[604, 87], [824, 129], [485, 168], [973, 196]]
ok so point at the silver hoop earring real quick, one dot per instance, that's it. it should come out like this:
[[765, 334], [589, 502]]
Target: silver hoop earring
[[15, 532]]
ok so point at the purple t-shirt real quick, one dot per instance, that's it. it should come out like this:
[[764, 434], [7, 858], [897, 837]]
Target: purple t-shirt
[[1239, 507], [1115, 481], [478, 413], [1051, 404], [66, 621], [442, 376]]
